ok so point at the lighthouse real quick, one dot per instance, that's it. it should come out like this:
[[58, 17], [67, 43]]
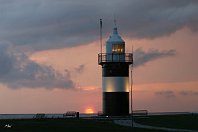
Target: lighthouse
[[115, 76]]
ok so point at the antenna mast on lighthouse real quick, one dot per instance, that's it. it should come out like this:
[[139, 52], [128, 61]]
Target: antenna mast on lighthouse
[[100, 35], [115, 25]]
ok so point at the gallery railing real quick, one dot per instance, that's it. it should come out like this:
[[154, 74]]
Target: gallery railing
[[115, 57]]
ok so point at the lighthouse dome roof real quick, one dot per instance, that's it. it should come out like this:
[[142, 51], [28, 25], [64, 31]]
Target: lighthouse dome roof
[[115, 37]]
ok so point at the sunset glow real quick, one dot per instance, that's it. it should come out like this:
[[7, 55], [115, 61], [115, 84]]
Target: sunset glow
[[89, 111]]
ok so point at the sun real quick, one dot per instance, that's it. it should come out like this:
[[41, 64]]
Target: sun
[[89, 111]]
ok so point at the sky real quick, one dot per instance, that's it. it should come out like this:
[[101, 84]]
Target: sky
[[48, 53]]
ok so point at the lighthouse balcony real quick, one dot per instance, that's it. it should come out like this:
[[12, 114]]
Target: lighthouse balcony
[[115, 58]]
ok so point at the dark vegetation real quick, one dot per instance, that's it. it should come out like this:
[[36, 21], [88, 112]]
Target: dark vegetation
[[64, 125], [185, 121]]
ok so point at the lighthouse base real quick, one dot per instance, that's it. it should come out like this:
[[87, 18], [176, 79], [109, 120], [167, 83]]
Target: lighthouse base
[[116, 103]]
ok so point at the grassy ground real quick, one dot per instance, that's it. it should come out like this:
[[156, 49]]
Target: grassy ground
[[90, 125], [187, 121], [64, 125]]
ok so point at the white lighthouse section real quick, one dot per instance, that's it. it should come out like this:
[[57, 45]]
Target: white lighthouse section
[[115, 47], [113, 41], [115, 84]]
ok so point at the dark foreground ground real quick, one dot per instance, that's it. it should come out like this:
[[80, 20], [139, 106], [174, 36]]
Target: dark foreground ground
[[64, 125], [185, 121], [89, 125]]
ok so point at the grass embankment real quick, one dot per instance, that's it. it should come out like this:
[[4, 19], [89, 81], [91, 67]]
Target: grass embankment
[[64, 125], [187, 121]]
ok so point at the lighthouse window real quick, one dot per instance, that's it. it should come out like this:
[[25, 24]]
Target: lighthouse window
[[118, 48]]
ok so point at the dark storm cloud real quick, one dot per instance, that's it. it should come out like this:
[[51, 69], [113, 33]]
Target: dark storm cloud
[[49, 24], [167, 94], [18, 71], [154, 18], [142, 57]]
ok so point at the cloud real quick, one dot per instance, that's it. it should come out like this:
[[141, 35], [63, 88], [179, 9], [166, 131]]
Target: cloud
[[80, 68], [50, 24], [170, 94], [18, 71], [167, 94], [87, 88], [189, 93], [151, 19], [141, 57]]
